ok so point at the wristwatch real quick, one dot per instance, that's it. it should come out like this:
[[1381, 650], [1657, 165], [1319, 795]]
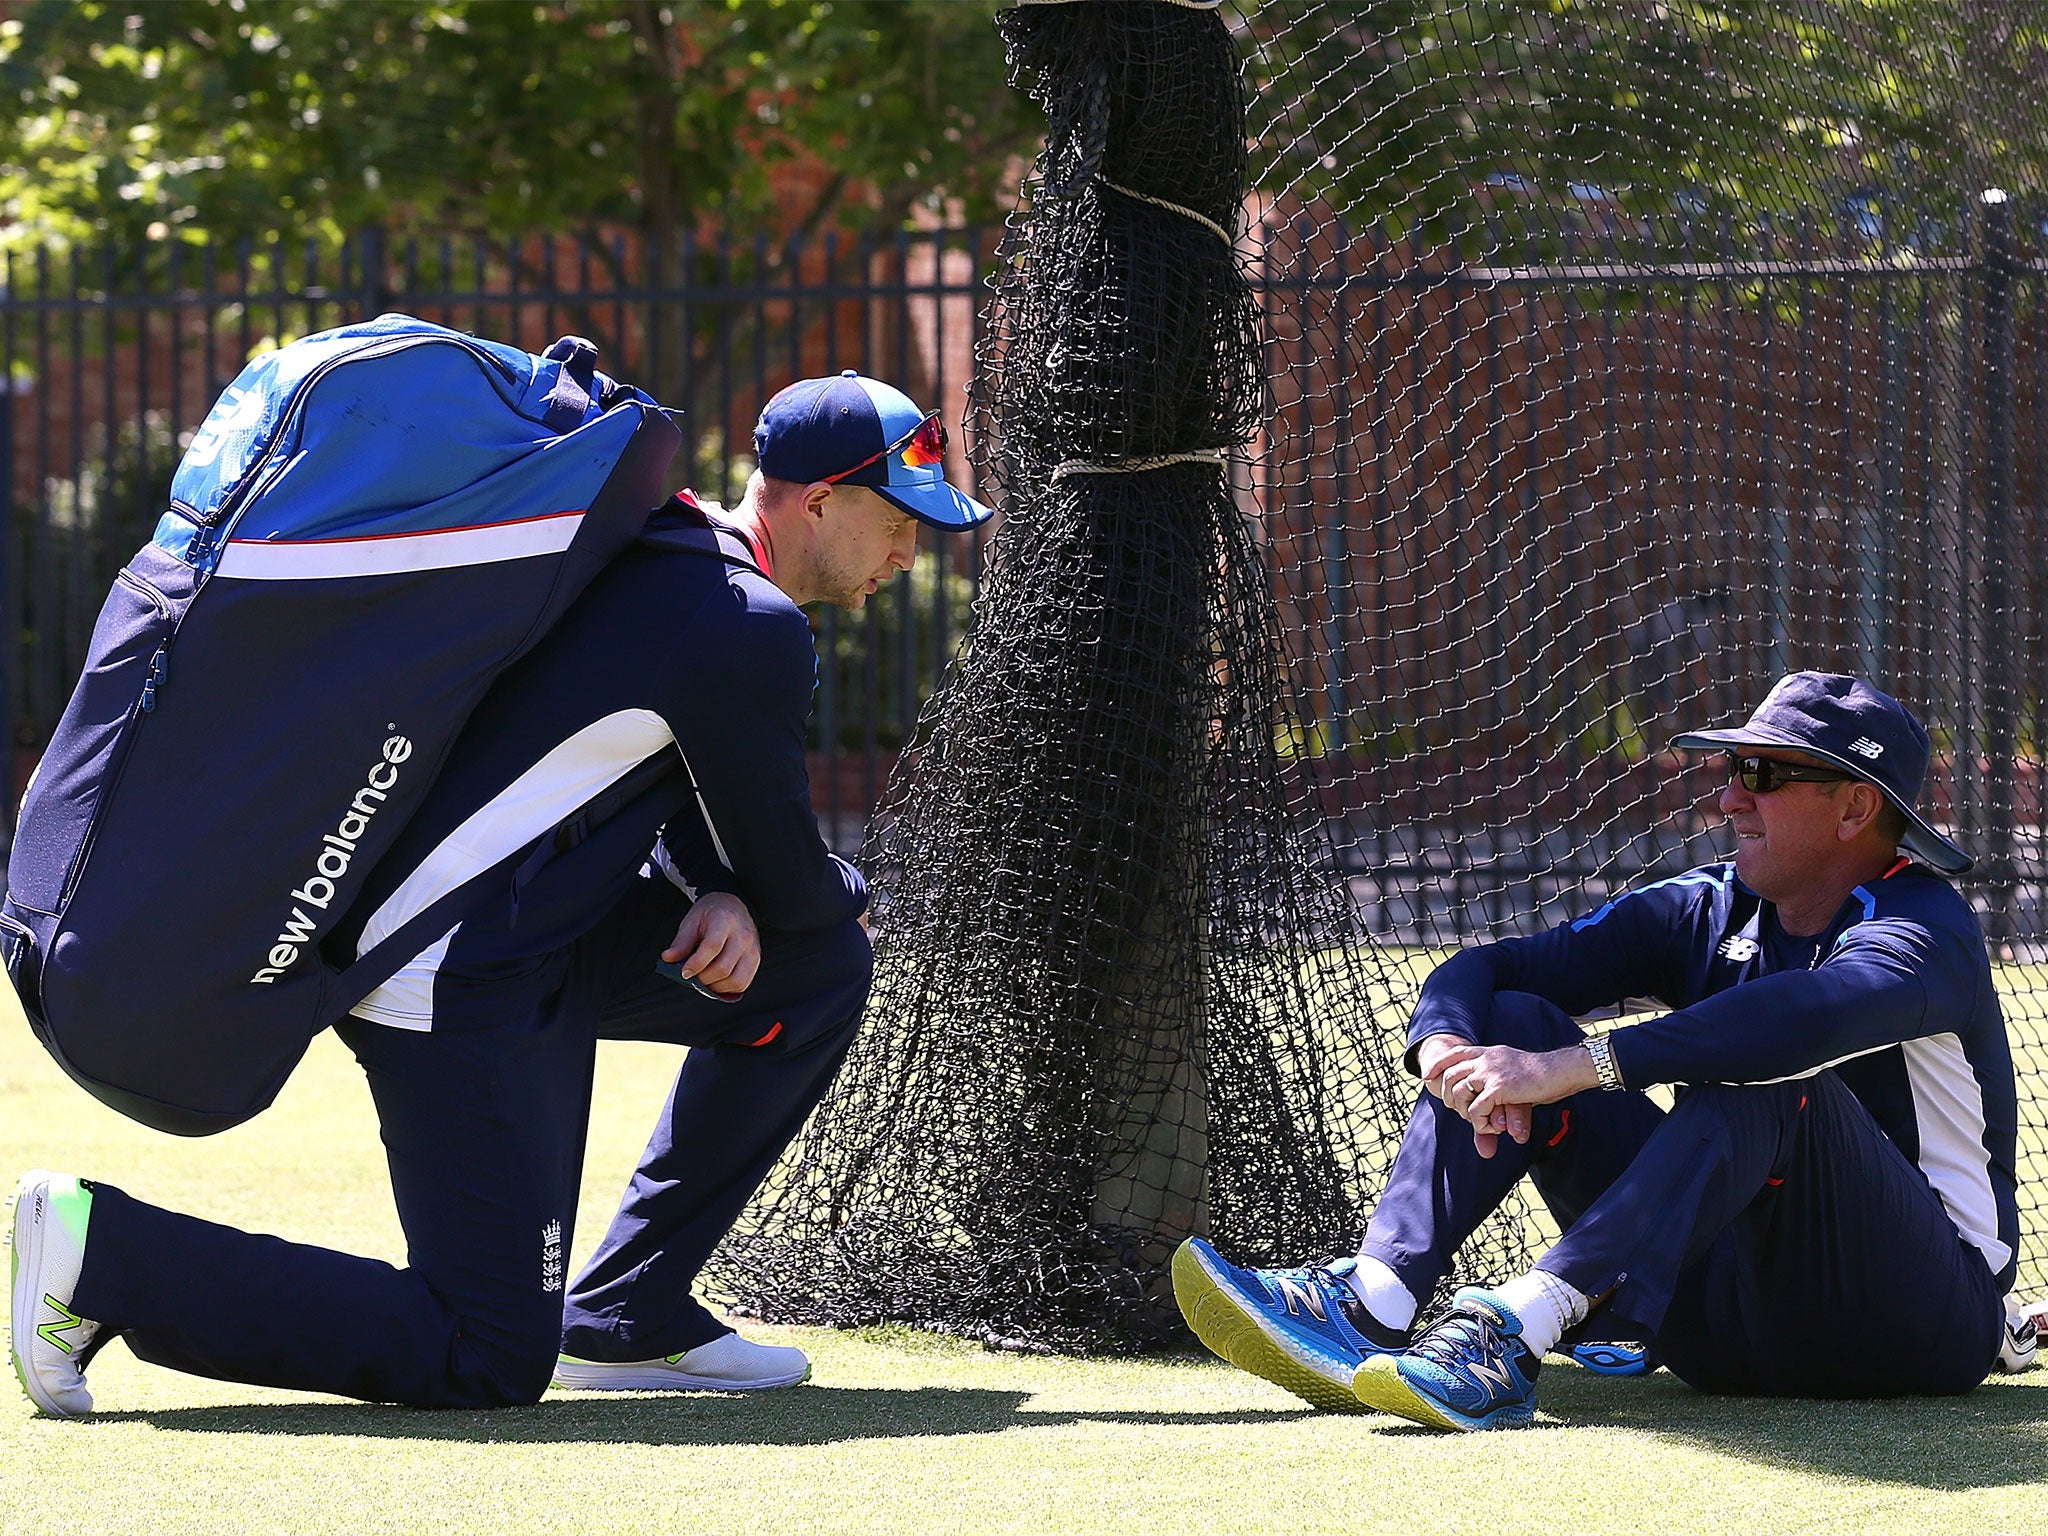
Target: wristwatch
[[1602, 1051]]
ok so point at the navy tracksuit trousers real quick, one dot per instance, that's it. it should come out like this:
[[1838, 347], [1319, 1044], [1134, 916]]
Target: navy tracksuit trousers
[[484, 1133], [1767, 1239]]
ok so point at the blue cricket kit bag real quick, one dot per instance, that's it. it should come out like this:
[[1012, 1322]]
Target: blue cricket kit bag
[[370, 526]]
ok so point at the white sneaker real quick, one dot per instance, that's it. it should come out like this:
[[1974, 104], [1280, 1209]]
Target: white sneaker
[[2023, 1327], [728, 1363], [51, 1211]]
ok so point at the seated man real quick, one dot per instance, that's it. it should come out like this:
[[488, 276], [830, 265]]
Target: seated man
[[480, 1052], [1828, 1211]]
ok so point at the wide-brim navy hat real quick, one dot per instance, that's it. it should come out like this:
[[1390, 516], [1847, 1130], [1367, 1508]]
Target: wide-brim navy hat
[[1849, 725], [852, 430]]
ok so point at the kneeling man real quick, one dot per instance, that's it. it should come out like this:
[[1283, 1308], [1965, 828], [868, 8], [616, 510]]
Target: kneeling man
[[480, 1051], [1828, 1211]]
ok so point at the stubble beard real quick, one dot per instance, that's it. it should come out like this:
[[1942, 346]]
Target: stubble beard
[[840, 587]]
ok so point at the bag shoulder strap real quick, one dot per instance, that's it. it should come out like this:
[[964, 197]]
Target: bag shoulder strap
[[714, 541]]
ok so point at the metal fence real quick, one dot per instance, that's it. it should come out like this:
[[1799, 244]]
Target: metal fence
[[1541, 493], [113, 357], [1530, 495]]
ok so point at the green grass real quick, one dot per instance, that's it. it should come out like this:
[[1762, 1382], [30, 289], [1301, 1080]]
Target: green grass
[[901, 1432]]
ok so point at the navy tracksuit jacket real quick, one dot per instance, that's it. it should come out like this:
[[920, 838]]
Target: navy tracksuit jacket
[[479, 1053], [1829, 1209]]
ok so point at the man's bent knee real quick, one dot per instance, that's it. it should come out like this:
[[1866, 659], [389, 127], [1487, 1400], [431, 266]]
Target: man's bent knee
[[825, 976], [1530, 1023], [502, 1375], [853, 955]]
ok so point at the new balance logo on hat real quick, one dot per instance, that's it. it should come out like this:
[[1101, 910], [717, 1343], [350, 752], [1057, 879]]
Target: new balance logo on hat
[[1866, 747]]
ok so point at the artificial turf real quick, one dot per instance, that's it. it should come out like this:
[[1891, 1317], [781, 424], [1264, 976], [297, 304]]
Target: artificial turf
[[901, 1432]]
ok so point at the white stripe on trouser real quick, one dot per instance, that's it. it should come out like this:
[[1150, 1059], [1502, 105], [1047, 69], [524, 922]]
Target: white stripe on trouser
[[570, 776]]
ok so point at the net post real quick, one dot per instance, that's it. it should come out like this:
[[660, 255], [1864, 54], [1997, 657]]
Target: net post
[[1999, 730]]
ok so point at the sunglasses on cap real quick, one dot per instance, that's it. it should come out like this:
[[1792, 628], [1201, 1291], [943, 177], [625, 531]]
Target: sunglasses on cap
[[923, 445], [1761, 775]]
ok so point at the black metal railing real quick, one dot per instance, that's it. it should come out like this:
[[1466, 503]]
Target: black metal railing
[[112, 357], [1533, 497], [1539, 497]]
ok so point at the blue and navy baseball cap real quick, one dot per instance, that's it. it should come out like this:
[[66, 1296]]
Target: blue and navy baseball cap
[[859, 431], [1852, 726]]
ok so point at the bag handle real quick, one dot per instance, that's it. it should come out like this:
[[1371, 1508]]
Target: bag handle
[[569, 401], [714, 542]]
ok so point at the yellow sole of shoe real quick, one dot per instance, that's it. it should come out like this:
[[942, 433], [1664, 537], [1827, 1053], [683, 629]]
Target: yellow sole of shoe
[[1226, 1329], [1378, 1385]]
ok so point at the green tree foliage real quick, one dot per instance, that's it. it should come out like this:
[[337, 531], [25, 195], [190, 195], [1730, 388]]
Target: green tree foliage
[[140, 118], [133, 117], [1660, 104]]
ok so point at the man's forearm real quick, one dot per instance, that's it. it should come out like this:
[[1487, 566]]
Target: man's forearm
[[1429, 1053], [1568, 1070], [1475, 1080]]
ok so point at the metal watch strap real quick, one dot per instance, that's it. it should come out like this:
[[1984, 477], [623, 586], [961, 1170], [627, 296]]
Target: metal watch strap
[[1602, 1052]]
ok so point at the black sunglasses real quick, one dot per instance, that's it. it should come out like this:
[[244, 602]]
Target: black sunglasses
[[1761, 775]]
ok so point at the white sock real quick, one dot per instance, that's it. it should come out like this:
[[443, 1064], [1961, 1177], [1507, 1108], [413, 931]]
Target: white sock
[[1546, 1306], [1385, 1297]]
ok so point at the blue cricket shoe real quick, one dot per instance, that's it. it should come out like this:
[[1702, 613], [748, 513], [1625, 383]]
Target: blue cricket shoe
[[1302, 1329], [1469, 1370]]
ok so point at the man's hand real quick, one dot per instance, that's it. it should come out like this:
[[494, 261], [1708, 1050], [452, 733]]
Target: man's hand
[[1436, 1056], [1495, 1087], [717, 944]]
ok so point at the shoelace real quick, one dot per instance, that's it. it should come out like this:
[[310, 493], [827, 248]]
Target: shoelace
[[1316, 1274], [1461, 1337], [1328, 1279]]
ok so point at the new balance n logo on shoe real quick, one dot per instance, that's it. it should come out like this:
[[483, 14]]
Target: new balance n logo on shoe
[[1498, 1376], [1300, 1298], [64, 1322]]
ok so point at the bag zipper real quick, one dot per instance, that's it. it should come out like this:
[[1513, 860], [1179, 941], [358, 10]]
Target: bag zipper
[[124, 743], [210, 534]]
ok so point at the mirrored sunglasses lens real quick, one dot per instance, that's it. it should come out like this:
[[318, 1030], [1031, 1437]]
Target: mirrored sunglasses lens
[[926, 445]]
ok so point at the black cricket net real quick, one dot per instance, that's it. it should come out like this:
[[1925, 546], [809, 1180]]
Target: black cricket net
[[1406, 418]]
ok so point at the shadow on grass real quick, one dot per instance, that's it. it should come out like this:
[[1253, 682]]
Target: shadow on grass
[[809, 1416], [1996, 1437]]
